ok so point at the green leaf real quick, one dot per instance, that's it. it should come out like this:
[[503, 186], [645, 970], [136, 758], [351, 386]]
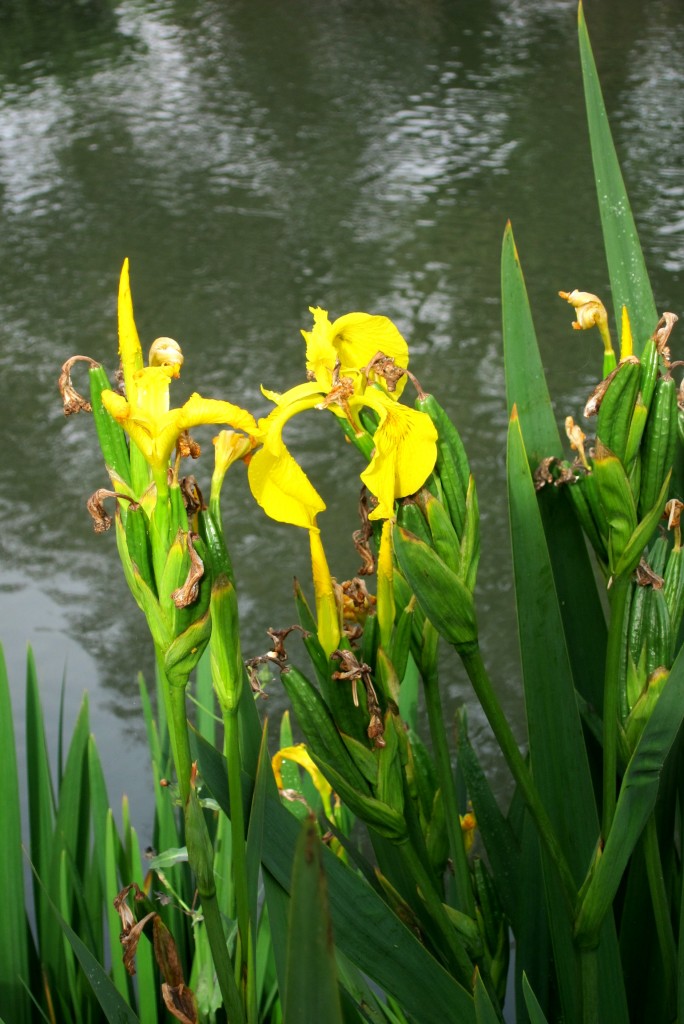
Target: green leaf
[[629, 280], [503, 849], [635, 803], [14, 968], [365, 928], [147, 981], [533, 1007], [526, 386], [119, 972], [41, 798], [583, 618], [556, 744], [311, 992], [115, 1009], [484, 1010]]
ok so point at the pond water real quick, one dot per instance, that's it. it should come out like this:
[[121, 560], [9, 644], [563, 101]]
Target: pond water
[[253, 159]]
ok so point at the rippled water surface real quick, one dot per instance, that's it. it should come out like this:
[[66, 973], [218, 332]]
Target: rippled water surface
[[256, 158]]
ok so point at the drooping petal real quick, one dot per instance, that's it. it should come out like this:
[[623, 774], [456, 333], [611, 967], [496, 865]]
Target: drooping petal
[[405, 452], [130, 351], [198, 410], [282, 488], [295, 394], [385, 598], [327, 612]]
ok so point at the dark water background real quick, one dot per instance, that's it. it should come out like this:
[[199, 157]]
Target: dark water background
[[256, 157]]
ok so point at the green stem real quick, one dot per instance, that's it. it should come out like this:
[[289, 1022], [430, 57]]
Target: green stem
[[661, 908], [237, 822], [590, 986], [433, 704], [232, 1000], [484, 691], [611, 699], [199, 859], [439, 915]]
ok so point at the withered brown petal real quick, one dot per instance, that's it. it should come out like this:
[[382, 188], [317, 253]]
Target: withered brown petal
[[180, 1002], [189, 592]]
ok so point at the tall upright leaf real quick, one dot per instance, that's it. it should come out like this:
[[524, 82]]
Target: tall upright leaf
[[583, 618], [41, 797], [366, 930], [629, 279], [311, 993], [14, 968], [557, 753]]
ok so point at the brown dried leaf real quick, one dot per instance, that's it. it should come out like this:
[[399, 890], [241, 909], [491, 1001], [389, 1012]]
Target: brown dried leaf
[[180, 1002], [189, 592], [73, 401]]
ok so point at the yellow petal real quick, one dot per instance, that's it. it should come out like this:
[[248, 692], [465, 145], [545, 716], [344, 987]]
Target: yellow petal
[[305, 390], [300, 755], [405, 452], [327, 613], [282, 488], [198, 410], [385, 602], [357, 337], [130, 351], [320, 351]]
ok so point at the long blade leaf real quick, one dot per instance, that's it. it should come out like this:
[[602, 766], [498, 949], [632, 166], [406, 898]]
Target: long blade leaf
[[629, 279], [365, 929], [311, 992], [13, 925]]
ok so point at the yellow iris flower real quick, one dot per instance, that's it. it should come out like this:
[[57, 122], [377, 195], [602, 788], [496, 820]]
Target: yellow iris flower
[[405, 440], [354, 339], [144, 413], [338, 355]]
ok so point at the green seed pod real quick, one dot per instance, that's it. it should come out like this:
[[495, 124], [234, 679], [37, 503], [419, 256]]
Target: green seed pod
[[657, 633], [110, 435], [452, 462], [636, 430], [226, 659], [674, 587], [138, 544], [186, 649], [617, 406], [217, 551], [444, 539], [658, 443], [380, 816], [318, 727], [412, 519], [616, 502], [470, 540], [579, 494], [649, 371], [390, 787], [444, 598]]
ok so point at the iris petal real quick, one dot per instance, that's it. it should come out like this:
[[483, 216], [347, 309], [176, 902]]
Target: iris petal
[[282, 488], [405, 452]]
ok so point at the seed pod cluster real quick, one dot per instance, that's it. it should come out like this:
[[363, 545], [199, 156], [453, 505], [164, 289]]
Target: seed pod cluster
[[619, 486], [436, 537]]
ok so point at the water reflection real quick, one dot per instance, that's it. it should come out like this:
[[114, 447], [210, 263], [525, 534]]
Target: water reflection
[[252, 161]]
